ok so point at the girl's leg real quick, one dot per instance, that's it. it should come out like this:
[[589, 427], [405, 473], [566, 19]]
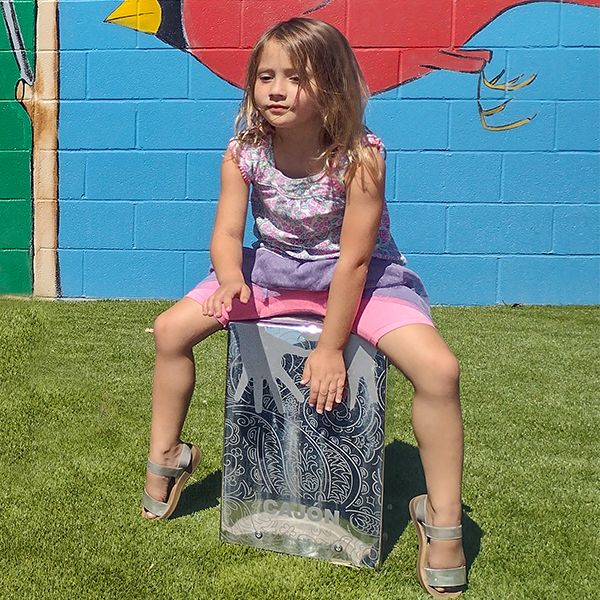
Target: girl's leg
[[425, 359], [176, 331]]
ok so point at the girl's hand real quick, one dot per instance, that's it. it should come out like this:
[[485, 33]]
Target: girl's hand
[[223, 297], [326, 372]]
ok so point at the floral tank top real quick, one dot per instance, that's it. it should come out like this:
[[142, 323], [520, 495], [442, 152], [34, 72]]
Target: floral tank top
[[302, 217]]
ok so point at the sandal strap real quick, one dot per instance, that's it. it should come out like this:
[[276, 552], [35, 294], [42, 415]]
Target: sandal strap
[[156, 507], [443, 533], [185, 458], [453, 577], [433, 532]]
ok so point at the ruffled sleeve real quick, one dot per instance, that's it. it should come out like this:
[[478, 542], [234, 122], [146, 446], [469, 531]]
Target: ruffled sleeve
[[373, 140], [242, 157]]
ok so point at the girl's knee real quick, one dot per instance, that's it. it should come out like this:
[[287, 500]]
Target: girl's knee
[[449, 368], [169, 336], [440, 375]]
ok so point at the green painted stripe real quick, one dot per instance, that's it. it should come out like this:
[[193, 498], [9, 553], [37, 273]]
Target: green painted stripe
[[15, 133], [15, 224], [15, 272], [15, 178], [9, 70]]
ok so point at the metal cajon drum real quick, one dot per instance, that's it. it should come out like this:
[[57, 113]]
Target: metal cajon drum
[[295, 481]]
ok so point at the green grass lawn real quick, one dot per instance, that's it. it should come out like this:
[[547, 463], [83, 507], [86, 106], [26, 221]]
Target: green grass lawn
[[75, 383]]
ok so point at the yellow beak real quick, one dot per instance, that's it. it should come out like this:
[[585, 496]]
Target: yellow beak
[[141, 15]]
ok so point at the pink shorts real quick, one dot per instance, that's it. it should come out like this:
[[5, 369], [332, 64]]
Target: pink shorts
[[376, 316]]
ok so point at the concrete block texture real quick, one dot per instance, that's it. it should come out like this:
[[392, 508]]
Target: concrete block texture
[[95, 225], [174, 225], [576, 230], [505, 229], [135, 175], [132, 274], [551, 177], [549, 280]]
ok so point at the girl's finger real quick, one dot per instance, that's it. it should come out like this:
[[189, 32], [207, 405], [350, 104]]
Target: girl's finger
[[305, 374], [331, 395], [339, 393], [245, 294], [314, 394], [322, 397], [222, 306]]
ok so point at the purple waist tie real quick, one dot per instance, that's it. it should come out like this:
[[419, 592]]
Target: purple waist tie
[[272, 271]]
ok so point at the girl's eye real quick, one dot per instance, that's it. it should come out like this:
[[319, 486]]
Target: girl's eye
[[295, 78], [264, 77]]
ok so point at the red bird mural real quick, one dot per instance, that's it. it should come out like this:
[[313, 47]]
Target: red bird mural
[[395, 41]]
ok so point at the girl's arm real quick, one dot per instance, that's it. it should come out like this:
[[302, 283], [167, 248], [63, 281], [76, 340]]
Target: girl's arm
[[227, 238], [325, 366]]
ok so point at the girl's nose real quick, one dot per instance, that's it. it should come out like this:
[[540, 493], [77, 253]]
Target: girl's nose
[[277, 89]]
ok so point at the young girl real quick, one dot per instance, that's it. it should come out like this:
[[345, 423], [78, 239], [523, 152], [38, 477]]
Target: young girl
[[324, 246]]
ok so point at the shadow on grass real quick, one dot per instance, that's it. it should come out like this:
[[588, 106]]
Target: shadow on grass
[[403, 479], [200, 495]]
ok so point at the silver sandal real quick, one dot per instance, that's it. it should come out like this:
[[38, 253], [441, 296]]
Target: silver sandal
[[189, 459], [455, 577]]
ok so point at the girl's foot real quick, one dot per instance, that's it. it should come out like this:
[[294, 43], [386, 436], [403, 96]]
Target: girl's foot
[[159, 487], [441, 562], [165, 479], [444, 554]]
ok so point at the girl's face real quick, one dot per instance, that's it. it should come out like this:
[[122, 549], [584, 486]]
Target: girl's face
[[278, 95]]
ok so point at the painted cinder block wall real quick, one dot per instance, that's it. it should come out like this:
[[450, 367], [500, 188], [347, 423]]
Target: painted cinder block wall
[[484, 216]]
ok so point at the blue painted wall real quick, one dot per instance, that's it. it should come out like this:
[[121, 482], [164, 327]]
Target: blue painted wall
[[485, 217]]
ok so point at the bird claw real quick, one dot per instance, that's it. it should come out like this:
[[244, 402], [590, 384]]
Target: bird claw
[[491, 111], [509, 86]]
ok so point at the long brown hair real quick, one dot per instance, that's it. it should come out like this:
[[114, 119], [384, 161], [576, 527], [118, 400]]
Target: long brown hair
[[320, 54]]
